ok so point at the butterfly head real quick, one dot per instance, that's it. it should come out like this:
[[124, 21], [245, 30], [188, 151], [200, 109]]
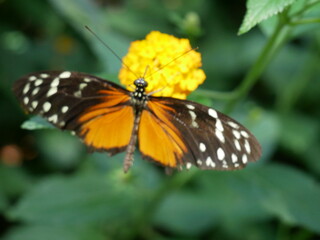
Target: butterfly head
[[139, 95], [140, 83]]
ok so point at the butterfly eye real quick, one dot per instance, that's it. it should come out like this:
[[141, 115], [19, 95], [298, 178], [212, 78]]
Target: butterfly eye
[[140, 82]]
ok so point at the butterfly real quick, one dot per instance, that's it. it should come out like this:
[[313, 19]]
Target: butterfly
[[173, 133]]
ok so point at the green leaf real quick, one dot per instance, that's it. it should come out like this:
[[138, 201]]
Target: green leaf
[[87, 200], [14, 181], [59, 148], [300, 29], [289, 194], [3, 201], [189, 213], [233, 199], [221, 198], [259, 10], [35, 123], [39, 232], [293, 137]]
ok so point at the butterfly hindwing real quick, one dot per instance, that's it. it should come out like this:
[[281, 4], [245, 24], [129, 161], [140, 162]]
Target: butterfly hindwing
[[81, 103], [203, 136]]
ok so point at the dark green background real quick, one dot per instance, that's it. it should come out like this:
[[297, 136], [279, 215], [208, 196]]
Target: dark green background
[[54, 189]]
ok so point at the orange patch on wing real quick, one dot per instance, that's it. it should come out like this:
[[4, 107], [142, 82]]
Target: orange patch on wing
[[108, 125], [159, 139]]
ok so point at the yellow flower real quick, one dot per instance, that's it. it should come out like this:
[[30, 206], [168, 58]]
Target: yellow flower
[[158, 59]]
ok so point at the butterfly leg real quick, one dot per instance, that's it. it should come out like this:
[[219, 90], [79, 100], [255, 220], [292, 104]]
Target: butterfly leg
[[128, 159]]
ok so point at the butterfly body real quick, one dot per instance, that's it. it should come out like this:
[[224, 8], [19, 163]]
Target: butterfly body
[[171, 132]]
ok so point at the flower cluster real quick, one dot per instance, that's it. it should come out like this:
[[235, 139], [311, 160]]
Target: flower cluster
[[169, 65]]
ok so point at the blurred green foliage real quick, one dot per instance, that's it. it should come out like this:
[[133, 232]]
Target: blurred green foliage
[[267, 78]]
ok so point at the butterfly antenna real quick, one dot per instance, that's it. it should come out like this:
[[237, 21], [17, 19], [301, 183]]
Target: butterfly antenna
[[145, 71], [110, 49], [162, 67]]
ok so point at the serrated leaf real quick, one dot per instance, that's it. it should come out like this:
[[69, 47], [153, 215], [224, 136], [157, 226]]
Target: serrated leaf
[[268, 26], [35, 123], [259, 10]]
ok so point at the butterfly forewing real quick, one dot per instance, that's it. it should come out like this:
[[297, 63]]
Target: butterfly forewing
[[95, 109], [210, 139]]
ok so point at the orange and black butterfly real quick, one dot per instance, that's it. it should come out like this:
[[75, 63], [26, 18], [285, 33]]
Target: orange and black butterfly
[[171, 132]]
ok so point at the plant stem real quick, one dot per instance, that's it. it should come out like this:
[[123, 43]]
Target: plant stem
[[290, 95], [305, 21], [305, 8], [277, 39]]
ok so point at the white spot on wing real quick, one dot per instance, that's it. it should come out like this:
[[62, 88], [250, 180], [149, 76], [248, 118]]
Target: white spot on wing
[[26, 100], [87, 79], [234, 158], [237, 144], [65, 74], [52, 91], [194, 124], [46, 106], [191, 107], [236, 134], [77, 94], [82, 85], [219, 135], [202, 147], [44, 75], [213, 113], [26, 88], [224, 164], [233, 124], [247, 146], [64, 109], [35, 91], [244, 158], [193, 119], [55, 82], [210, 163], [53, 118], [32, 78], [188, 165], [38, 82], [199, 162], [219, 125], [245, 134], [34, 104], [220, 154]]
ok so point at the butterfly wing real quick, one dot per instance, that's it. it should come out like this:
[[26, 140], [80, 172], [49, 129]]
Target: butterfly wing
[[176, 132], [98, 111]]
